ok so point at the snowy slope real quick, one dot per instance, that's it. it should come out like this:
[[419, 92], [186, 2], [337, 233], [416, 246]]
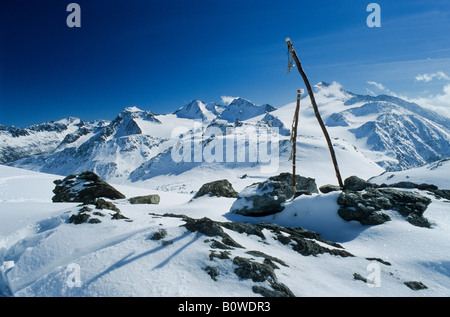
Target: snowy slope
[[437, 173], [43, 255]]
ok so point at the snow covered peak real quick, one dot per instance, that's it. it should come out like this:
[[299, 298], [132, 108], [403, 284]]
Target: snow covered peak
[[241, 109], [197, 109], [333, 90], [128, 123], [132, 109]]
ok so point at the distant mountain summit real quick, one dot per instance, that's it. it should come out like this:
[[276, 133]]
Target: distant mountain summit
[[197, 109], [241, 109]]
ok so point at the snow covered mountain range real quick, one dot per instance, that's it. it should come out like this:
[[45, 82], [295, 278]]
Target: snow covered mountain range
[[138, 145]]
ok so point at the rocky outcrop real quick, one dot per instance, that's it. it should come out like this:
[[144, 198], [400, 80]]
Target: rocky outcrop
[[263, 270], [354, 183], [364, 202], [266, 198], [328, 188], [86, 214], [219, 188], [84, 188]]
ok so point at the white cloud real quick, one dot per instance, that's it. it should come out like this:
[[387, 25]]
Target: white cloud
[[378, 85], [439, 103], [227, 99], [429, 77], [381, 88]]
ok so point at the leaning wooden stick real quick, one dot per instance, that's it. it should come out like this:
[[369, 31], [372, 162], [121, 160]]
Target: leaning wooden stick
[[316, 110], [294, 138]]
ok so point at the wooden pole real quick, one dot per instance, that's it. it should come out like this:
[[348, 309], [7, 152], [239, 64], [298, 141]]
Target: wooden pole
[[316, 110], [294, 139]]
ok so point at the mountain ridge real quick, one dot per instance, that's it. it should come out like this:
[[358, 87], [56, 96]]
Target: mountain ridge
[[390, 131]]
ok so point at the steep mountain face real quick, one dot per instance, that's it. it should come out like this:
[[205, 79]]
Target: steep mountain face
[[197, 109], [407, 135], [241, 109], [113, 151], [17, 143]]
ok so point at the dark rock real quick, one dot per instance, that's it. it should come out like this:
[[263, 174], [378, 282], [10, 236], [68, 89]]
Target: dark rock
[[325, 189], [280, 290], [100, 203], [379, 260], [222, 255], [94, 220], [265, 256], [244, 227], [406, 202], [359, 277], [260, 272], [266, 198], [158, 235], [118, 216], [85, 209], [415, 286], [218, 245], [212, 271], [220, 188], [147, 199], [441, 193], [257, 272], [364, 216], [84, 188], [407, 184], [365, 206], [354, 183], [210, 228], [79, 218], [418, 221]]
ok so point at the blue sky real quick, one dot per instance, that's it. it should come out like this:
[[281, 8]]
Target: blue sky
[[160, 55]]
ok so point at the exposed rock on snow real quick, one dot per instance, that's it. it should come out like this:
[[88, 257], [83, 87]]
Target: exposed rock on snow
[[219, 188], [328, 188], [147, 199], [100, 203], [265, 198], [439, 193], [355, 183], [260, 272], [85, 213], [85, 188], [302, 241], [364, 206], [416, 286]]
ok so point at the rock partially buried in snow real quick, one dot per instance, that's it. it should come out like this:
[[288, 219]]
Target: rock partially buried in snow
[[356, 184], [220, 188], [365, 206], [325, 189], [84, 188], [266, 198], [147, 199]]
